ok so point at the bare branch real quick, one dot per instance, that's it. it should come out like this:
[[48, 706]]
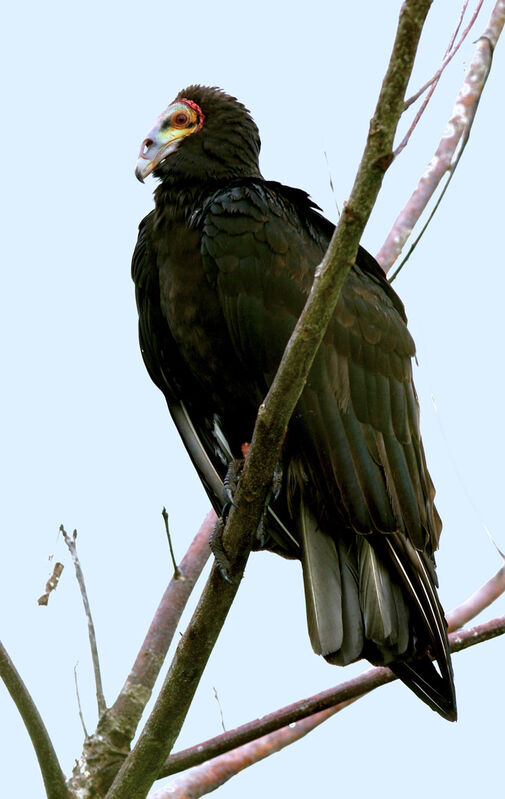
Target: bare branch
[[105, 751], [126, 711], [433, 83], [333, 698], [163, 726], [52, 775], [209, 776], [479, 600], [70, 542], [456, 132], [450, 51]]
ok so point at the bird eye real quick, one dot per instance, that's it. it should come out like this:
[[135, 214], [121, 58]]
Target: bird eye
[[180, 119]]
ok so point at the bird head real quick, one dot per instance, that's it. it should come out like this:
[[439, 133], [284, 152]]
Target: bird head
[[204, 133]]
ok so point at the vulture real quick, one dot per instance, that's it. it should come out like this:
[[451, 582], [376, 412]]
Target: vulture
[[222, 268]]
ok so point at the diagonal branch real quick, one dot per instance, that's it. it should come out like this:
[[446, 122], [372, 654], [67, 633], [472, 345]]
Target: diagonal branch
[[104, 751], [155, 742], [476, 603], [54, 780], [209, 776], [136, 691], [334, 698], [449, 148]]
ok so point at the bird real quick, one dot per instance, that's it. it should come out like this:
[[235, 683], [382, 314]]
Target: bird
[[222, 268]]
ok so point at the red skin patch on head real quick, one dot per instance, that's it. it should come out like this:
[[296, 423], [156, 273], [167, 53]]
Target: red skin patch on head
[[245, 449], [198, 110]]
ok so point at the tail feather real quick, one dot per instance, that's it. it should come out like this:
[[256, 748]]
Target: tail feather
[[374, 597], [331, 594], [424, 680]]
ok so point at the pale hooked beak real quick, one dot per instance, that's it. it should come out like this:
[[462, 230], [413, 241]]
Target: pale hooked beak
[[155, 147]]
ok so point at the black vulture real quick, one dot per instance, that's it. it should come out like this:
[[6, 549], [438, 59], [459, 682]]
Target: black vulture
[[222, 269]]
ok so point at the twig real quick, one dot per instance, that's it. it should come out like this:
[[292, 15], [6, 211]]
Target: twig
[[216, 695], [169, 537], [458, 126], [79, 706], [155, 742], [70, 542], [346, 691], [51, 584], [52, 775], [449, 51], [433, 82]]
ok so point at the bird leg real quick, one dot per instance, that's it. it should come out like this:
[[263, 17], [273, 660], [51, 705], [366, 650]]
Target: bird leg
[[273, 493], [230, 484], [217, 549]]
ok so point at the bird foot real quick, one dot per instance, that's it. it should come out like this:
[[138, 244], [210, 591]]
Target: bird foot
[[217, 549], [230, 482]]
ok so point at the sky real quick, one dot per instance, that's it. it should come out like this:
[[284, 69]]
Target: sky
[[86, 437]]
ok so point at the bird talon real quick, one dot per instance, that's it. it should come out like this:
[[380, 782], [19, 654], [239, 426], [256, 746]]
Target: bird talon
[[277, 481], [217, 549], [231, 479]]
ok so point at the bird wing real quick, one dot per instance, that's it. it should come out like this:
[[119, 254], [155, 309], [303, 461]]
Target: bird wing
[[193, 419], [355, 461]]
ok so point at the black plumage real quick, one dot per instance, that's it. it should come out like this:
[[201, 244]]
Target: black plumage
[[222, 268]]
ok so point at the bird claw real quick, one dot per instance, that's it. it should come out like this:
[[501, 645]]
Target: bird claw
[[230, 483], [217, 549], [277, 481], [231, 479]]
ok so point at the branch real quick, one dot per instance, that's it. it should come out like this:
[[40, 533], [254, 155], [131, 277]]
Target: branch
[[479, 600], [52, 775], [214, 771], [457, 131], [155, 742], [136, 691], [211, 775], [432, 84], [105, 751], [334, 699], [70, 542]]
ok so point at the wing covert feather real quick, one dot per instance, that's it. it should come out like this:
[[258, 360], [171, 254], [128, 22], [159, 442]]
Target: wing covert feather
[[359, 409]]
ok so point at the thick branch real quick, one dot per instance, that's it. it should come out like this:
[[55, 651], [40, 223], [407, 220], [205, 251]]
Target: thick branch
[[163, 726], [135, 693], [54, 780], [105, 751], [455, 133]]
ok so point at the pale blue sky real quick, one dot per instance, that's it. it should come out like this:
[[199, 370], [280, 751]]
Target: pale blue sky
[[87, 439]]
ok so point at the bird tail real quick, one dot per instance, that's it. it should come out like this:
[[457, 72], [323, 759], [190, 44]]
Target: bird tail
[[433, 685], [374, 597]]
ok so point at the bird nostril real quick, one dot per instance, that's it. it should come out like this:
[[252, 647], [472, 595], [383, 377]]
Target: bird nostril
[[146, 144]]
